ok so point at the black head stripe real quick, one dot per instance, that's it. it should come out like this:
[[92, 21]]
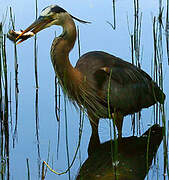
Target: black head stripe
[[57, 9]]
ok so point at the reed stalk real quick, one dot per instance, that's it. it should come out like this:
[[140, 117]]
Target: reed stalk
[[35, 48], [5, 124], [57, 108], [57, 111], [135, 38], [1, 108], [43, 171], [158, 77], [28, 169], [114, 14], [12, 20], [81, 111], [167, 29], [66, 129], [1, 85]]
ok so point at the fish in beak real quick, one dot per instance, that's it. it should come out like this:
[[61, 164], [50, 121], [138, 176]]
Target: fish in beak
[[34, 28], [51, 15]]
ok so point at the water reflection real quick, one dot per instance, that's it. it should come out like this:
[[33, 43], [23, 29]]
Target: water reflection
[[37, 130], [4, 125], [134, 158], [4, 140]]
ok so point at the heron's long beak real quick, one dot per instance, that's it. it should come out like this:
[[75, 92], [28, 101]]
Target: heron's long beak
[[35, 27]]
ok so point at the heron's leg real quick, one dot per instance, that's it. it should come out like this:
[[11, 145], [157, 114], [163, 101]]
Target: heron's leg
[[118, 117], [94, 139]]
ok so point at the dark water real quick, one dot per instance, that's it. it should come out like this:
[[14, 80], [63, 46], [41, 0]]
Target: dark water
[[29, 130]]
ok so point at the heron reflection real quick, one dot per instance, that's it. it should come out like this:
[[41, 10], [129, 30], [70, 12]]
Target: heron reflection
[[132, 161]]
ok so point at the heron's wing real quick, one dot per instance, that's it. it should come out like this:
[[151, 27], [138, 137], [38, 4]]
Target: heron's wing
[[123, 75], [98, 62], [128, 87]]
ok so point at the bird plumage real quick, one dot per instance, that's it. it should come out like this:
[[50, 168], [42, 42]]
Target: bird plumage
[[131, 88], [105, 85]]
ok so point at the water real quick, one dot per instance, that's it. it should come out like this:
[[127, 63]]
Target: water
[[35, 138]]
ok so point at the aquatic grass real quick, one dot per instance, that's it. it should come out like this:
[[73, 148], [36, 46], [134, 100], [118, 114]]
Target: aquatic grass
[[12, 21], [44, 170], [35, 48], [1, 107], [137, 33], [136, 53], [158, 72], [147, 152], [81, 111], [75, 155], [28, 169], [114, 147], [10, 101], [57, 108], [37, 129], [136, 60], [57, 99], [37, 92], [44, 163], [135, 43], [1, 85], [155, 75], [167, 29], [158, 77], [114, 14], [57, 111], [66, 135], [113, 24], [4, 105]]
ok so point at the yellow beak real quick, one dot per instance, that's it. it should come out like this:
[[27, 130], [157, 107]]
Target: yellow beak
[[35, 27]]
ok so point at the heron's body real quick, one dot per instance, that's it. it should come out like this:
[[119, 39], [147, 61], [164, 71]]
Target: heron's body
[[101, 83], [131, 89]]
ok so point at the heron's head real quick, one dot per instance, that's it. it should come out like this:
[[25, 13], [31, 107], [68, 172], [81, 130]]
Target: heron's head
[[51, 15]]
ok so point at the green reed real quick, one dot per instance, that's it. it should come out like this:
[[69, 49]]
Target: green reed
[[44, 170], [114, 147], [4, 105], [57, 108], [135, 40], [35, 48], [67, 147], [80, 117], [1, 107], [57, 111], [66, 129], [37, 92], [114, 14], [159, 110], [1, 42], [27, 163], [167, 29], [12, 21]]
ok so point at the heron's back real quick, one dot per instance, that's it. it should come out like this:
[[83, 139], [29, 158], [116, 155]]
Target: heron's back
[[130, 88]]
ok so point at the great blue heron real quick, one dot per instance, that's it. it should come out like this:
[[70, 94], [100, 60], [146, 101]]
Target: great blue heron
[[105, 85]]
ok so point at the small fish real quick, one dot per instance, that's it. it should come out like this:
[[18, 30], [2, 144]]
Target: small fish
[[12, 35]]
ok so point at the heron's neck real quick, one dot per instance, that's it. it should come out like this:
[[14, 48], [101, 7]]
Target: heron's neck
[[60, 49]]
